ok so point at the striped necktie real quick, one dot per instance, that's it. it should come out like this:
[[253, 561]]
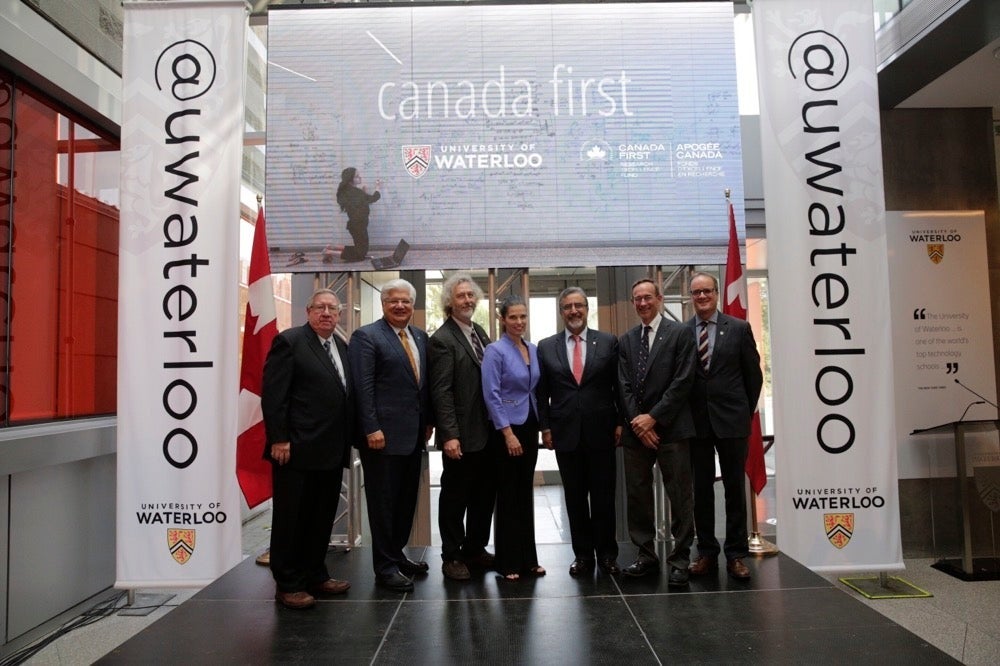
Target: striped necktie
[[703, 353]]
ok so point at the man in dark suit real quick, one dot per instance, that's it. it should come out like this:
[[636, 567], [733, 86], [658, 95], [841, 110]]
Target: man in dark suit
[[308, 417], [462, 431], [726, 387], [655, 374], [578, 415], [389, 367]]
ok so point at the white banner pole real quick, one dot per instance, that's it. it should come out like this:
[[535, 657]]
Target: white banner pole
[[837, 497], [178, 507]]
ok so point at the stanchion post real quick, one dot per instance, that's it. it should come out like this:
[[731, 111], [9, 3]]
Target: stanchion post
[[759, 546]]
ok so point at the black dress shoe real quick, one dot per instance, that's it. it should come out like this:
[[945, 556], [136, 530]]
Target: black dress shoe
[[410, 568], [581, 567], [484, 560], [395, 581], [609, 566], [640, 568], [678, 577]]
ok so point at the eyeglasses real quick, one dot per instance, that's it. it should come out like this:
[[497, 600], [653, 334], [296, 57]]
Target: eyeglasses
[[326, 308], [566, 307], [702, 292], [645, 298]]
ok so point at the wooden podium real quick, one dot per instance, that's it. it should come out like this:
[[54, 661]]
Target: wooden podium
[[968, 568]]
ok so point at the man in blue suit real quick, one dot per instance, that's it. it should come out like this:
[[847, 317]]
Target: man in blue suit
[[389, 367], [726, 387]]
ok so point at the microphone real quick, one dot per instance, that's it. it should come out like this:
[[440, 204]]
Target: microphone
[[977, 402], [993, 404]]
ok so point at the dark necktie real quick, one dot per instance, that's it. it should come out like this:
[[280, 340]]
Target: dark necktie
[[643, 360], [477, 346], [328, 347], [703, 354], [577, 359]]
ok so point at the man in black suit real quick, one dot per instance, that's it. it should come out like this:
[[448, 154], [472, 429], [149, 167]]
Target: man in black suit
[[462, 431], [578, 415], [308, 417], [389, 368], [726, 387], [655, 374]]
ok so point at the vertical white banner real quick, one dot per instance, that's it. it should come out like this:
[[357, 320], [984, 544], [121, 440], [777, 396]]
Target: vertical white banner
[[942, 336], [837, 498], [178, 508]]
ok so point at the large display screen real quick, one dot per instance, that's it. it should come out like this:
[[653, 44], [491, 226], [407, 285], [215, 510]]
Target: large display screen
[[523, 135]]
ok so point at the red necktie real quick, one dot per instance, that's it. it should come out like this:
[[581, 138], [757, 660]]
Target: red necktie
[[577, 359]]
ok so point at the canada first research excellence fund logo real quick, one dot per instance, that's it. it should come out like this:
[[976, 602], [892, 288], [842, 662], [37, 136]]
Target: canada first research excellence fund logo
[[839, 528], [416, 160], [181, 544]]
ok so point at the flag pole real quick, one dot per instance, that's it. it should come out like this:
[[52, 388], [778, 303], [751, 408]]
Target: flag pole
[[756, 543]]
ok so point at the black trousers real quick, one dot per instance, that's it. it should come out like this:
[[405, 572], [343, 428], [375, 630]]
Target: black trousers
[[465, 506], [588, 479], [515, 523], [674, 461], [732, 463], [303, 510], [391, 485], [359, 235]]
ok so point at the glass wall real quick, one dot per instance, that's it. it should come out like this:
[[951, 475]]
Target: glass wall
[[59, 257]]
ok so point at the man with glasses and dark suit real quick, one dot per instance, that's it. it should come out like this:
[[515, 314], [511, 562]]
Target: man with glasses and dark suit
[[578, 415], [726, 388], [655, 374], [308, 411], [389, 367]]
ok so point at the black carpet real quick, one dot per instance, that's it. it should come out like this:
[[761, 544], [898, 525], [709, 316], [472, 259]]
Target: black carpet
[[785, 614]]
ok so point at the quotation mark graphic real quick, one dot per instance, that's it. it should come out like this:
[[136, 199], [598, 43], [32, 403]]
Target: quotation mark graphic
[[952, 368], [920, 313]]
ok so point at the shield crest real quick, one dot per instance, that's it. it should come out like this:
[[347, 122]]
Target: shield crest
[[181, 544], [988, 484], [416, 159], [935, 252], [839, 528]]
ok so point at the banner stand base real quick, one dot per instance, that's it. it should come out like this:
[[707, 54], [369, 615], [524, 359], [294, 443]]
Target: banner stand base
[[141, 605], [885, 587], [761, 547]]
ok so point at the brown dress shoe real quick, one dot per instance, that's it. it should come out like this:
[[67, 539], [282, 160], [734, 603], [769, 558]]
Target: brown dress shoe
[[737, 569], [455, 570], [331, 586], [703, 565], [295, 600]]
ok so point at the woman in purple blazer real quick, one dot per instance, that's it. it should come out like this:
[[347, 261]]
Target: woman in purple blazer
[[510, 374]]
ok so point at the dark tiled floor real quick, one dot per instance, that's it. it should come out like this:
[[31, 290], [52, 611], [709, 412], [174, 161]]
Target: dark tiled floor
[[785, 614]]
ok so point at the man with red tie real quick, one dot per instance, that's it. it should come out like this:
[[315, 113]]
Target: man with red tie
[[578, 415]]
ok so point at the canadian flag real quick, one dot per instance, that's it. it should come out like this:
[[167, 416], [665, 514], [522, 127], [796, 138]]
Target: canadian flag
[[260, 327], [734, 304]]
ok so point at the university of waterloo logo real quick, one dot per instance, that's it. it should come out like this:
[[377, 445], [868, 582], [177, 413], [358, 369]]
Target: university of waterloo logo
[[935, 252], [839, 528], [416, 159], [181, 544]]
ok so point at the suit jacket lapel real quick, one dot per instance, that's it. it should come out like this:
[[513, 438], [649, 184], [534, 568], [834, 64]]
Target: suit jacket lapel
[[562, 357], [312, 341], [661, 333], [459, 335], [392, 339]]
